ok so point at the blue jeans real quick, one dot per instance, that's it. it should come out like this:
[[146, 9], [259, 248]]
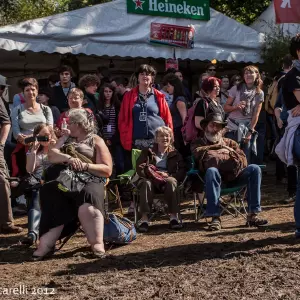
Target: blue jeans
[[245, 147], [296, 152], [34, 211], [260, 144], [250, 176]]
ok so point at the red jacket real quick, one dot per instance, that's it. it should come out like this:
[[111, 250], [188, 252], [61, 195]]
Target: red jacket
[[125, 122]]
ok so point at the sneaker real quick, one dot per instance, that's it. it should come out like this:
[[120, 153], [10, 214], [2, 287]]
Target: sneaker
[[291, 199], [174, 224], [143, 226], [215, 224], [255, 221], [10, 229]]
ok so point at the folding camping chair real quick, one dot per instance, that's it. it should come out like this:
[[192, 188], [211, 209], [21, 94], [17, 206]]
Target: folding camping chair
[[126, 178], [232, 200], [158, 207]]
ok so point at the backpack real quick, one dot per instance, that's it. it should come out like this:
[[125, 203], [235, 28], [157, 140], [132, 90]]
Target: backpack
[[189, 130], [224, 158], [272, 96], [21, 98]]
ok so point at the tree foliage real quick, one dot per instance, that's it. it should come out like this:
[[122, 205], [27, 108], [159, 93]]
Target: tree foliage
[[13, 11], [244, 11], [276, 46]]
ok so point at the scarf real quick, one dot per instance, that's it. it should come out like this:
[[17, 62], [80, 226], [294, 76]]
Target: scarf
[[247, 95]]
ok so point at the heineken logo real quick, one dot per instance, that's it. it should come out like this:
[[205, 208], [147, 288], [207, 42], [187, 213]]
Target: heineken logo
[[190, 9]]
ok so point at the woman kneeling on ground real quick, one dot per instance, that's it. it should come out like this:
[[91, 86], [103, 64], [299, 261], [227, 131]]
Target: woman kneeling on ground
[[62, 209], [169, 164]]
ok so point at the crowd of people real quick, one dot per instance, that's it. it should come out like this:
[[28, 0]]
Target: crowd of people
[[91, 130]]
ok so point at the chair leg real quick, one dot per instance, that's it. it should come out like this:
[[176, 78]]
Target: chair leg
[[135, 197], [195, 206]]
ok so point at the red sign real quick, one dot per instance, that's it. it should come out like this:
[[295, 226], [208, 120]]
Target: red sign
[[172, 35], [171, 63], [287, 11]]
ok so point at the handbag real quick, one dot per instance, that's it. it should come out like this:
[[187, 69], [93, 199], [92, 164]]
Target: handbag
[[117, 229], [151, 173], [72, 181], [27, 183]]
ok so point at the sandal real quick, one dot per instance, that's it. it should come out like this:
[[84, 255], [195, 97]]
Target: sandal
[[215, 224], [174, 224], [46, 255], [99, 254], [255, 221]]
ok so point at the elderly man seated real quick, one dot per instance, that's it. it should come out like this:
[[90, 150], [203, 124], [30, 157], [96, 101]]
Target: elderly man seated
[[223, 162]]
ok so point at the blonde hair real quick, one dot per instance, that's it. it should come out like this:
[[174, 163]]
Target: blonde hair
[[84, 119], [164, 130], [76, 92]]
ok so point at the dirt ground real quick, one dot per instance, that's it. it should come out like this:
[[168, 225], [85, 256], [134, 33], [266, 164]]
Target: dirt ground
[[235, 263]]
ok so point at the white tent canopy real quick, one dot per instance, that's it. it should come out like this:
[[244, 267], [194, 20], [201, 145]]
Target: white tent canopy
[[267, 20], [107, 29]]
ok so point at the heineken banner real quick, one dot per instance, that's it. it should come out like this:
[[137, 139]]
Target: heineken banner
[[188, 9], [172, 35]]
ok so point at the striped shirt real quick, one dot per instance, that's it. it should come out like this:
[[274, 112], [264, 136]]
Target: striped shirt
[[109, 129]]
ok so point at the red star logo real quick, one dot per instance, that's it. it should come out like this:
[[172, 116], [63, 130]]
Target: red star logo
[[138, 4]]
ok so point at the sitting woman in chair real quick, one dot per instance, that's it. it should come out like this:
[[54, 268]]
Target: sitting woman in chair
[[170, 165], [81, 150]]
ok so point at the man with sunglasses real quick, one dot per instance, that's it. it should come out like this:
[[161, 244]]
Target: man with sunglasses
[[6, 216], [211, 70]]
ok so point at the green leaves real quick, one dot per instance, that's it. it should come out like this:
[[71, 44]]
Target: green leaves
[[276, 46], [244, 11]]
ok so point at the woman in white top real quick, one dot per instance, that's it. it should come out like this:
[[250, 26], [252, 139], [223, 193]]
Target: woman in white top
[[25, 117]]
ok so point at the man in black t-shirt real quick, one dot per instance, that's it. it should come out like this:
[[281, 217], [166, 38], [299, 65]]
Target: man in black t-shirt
[[6, 217]]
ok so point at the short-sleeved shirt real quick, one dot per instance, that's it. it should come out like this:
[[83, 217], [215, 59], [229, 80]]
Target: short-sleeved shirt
[[146, 117], [24, 121], [177, 120], [206, 106], [236, 115], [291, 82], [4, 117]]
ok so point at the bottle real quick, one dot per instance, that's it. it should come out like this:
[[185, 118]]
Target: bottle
[[64, 124]]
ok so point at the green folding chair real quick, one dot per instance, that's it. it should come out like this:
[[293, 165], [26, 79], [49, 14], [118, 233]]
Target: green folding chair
[[232, 201], [125, 178]]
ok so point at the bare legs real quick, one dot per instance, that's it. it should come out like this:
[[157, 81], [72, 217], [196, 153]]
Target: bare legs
[[92, 222]]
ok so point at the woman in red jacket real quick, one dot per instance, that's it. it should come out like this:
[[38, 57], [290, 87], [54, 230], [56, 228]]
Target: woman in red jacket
[[143, 110]]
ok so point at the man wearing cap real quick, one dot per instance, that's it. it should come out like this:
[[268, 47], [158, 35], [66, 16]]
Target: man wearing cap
[[249, 176], [6, 217]]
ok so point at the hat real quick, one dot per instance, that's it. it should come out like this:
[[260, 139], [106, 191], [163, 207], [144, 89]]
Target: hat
[[3, 81], [213, 117]]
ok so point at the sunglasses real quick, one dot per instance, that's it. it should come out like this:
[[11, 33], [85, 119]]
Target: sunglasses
[[211, 70], [2, 87]]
